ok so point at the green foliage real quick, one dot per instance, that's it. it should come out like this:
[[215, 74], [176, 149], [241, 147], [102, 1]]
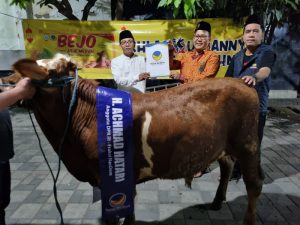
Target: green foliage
[[21, 3], [293, 4], [279, 9], [189, 7], [274, 12]]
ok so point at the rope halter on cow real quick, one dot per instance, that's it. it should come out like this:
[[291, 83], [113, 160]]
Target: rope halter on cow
[[55, 82], [48, 83]]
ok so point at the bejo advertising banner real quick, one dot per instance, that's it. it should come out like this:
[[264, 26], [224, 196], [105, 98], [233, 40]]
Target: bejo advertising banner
[[92, 44]]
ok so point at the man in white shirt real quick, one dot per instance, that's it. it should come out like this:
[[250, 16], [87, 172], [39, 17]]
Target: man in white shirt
[[129, 69], [129, 73]]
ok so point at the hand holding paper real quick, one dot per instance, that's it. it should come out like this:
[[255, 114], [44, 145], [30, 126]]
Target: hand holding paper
[[144, 76], [175, 76]]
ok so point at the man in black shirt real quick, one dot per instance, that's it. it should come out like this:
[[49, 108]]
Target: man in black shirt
[[23, 90], [253, 64]]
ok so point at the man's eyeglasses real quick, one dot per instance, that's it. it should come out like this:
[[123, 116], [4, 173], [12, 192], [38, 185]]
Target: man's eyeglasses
[[202, 37], [127, 42]]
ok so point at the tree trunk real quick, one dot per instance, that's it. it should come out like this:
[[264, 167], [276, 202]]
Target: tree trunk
[[29, 11], [87, 9], [118, 13], [271, 31], [63, 8]]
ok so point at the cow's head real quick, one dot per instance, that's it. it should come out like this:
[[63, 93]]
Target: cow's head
[[60, 65]]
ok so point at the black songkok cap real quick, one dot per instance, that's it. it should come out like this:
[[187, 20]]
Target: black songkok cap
[[125, 34], [254, 19], [202, 25]]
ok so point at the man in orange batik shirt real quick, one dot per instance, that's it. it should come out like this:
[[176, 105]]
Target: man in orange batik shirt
[[198, 64], [201, 62]]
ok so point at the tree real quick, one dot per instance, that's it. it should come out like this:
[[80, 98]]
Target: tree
[[64, 7], [273, 12]]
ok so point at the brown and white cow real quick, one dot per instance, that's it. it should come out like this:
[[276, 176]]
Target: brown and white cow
[[177, 132]]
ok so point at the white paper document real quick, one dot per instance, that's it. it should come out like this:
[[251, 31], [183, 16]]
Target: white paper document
[[157, 59]]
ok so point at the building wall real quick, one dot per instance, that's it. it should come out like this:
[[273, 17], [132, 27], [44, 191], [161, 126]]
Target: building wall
[[11, 38], [286, 72]]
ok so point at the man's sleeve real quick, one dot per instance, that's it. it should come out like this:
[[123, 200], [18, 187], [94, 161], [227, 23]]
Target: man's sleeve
[[176, 62], [229, 72]]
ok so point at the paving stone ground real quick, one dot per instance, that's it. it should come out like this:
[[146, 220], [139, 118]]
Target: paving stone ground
[[162, 202]]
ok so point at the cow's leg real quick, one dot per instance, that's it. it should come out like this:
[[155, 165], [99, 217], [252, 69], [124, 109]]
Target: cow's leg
[[226, 166], [253, 179]]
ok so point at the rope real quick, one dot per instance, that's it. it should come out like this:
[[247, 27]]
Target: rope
[[50, 83], [50, 169], [7, 85], [19, 18], [70, 110], [53, 82]]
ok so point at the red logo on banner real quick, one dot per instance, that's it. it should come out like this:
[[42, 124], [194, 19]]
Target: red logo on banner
[[28, 33]]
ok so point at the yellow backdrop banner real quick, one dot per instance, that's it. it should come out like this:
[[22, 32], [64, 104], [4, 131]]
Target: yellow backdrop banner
[[92, 44]]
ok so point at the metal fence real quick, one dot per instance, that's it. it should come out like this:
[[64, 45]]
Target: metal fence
[[161, 87]]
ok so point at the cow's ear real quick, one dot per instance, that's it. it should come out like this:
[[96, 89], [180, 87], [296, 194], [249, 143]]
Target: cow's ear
[[29, 68]]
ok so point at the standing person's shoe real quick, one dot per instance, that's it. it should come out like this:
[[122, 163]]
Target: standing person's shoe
[[2, 217]]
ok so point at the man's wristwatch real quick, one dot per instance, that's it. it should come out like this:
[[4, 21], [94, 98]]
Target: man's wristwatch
[[255, 77]]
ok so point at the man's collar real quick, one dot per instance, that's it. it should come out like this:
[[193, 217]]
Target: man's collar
[[201, 53], [134, 55], [196, 54]]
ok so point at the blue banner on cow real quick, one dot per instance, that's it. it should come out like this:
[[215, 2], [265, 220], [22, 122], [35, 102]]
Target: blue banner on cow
[[114, 120]]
